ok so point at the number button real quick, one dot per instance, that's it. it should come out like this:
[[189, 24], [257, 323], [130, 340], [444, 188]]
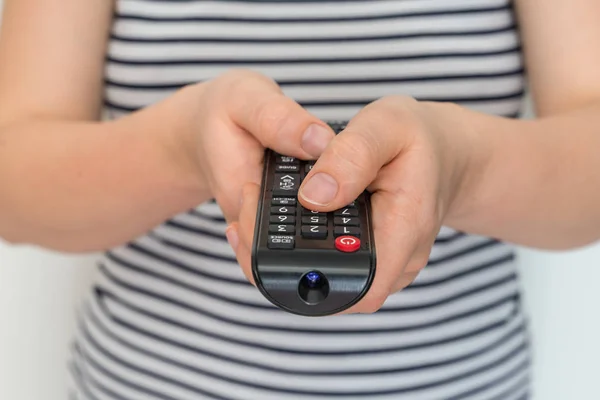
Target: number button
[[346, 221], [346, 230], [314, 232], [285, 210], [346, 212], [282, 219], [281, 229], [283, 242], [314, 220], [306, 211]]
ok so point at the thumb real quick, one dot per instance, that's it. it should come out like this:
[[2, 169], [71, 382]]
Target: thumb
[[348, 165]]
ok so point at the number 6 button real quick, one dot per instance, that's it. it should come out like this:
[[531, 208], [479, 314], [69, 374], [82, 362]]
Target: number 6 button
[[282, 219]]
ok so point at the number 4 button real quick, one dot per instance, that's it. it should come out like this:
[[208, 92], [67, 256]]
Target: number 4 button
[[347, 221]]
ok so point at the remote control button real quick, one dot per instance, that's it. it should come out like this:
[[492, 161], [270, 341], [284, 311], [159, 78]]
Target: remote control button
[[314, 232], [287, 168], [346, 221], [308, 167], [285, 210], [283, 201], [280, 242], [282, 219], [306, 211], [346, 230], [347, 244], [282, 229], [346, 212], [286, 160], [314, 220], [286, 184]]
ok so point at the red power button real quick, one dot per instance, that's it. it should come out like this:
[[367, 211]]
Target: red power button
[[347, 244]]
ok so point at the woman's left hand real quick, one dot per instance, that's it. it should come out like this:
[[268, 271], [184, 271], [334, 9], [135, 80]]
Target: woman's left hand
[[412, 156]]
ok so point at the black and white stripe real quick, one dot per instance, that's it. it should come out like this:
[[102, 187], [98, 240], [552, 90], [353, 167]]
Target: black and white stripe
[[173, 317]]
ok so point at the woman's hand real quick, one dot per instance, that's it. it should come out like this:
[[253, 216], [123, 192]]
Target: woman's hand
[[240, 114], [400, 150]]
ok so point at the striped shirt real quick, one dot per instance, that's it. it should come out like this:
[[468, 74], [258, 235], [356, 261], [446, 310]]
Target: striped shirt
[[172, 316]]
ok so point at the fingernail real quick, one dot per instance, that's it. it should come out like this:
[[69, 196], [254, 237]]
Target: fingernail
[[315, 139], [320, 189], [232, 237]]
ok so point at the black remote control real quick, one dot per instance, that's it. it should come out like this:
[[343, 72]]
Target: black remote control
[[305, 262]]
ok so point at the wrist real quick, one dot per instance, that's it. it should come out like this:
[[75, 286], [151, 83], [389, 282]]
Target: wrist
[[170, 129], [465, 156]]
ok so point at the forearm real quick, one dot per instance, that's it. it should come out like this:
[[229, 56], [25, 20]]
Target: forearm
[[534, 183], [77, 186]]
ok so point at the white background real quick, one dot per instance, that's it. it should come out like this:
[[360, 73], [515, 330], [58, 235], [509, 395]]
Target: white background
[[39, 293]]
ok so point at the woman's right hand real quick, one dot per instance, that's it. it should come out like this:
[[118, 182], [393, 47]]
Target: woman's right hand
[[235, 117]]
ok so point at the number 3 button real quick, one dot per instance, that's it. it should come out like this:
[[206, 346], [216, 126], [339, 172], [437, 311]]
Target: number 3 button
[[282, 229]]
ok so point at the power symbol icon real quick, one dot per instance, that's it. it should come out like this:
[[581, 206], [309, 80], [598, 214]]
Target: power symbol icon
[[347, 244]]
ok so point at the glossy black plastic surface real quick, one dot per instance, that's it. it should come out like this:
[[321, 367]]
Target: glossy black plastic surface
[[336, 280]]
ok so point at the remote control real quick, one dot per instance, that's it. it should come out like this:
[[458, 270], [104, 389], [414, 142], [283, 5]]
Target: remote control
[[303, 261]]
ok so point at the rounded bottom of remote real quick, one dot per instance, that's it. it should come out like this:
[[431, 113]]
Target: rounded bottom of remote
[[313, 282]]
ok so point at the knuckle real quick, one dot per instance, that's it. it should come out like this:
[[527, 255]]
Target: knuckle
[[394, 103], [270, 116], [398, 111], [240, 79], [360, 154]]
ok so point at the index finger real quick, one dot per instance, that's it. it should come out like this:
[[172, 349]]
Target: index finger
[[256, 103]]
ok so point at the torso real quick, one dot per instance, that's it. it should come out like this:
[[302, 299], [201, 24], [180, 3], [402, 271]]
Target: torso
[[172, 316]]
